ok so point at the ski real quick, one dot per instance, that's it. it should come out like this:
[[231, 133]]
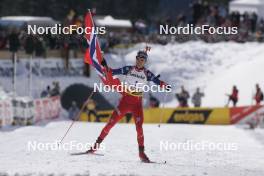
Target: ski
[[154, 162], [86, 153]]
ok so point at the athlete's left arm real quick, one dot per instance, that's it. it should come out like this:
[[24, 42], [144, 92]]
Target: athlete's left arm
[[156, 80]]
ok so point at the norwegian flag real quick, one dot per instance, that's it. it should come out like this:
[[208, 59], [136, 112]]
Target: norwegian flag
[[93, 54]]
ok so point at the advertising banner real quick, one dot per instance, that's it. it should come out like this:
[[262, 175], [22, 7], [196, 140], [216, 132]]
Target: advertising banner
[[6, 113], [43, 67], [175, 115], [47, 108], [246, 114]]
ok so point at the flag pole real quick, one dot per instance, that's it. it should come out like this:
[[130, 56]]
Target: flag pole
[[76, 118], [162, 110]]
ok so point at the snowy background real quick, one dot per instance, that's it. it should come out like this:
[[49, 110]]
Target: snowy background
[[215, 68]]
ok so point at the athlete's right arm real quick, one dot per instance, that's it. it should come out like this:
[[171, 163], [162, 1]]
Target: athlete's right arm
[[121, 71]]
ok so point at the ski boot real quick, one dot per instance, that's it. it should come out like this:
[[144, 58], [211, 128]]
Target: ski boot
[[95, 147], [143, 157]]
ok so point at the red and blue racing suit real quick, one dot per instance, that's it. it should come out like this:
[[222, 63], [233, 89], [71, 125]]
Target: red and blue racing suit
[[131, 103]]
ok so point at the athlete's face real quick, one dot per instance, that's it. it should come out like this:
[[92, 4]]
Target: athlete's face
[[140, 62]]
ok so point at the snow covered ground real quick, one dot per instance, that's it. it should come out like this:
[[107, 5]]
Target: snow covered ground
[[120, 154]]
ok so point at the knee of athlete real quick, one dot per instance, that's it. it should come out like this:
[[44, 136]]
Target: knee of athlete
[[140, 136], [139, 120], [139, 125], [139, 129]]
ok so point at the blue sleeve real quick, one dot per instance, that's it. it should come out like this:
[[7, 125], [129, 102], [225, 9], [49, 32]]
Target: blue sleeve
[[121, 71], [152, 77]]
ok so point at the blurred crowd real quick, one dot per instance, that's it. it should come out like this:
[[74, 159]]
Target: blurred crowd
[[184, 96], [51, 92], [16, 40], [250, 28], [196, 99]]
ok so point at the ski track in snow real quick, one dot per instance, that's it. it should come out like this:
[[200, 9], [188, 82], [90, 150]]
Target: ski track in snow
[[121, 154]]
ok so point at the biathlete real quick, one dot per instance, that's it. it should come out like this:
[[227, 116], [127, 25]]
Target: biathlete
[[131, 101]]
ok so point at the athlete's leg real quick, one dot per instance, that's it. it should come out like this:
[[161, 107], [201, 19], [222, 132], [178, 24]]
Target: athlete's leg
[[116, 116], [138, 118]]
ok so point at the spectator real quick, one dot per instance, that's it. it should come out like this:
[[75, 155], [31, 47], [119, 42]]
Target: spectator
[[259, 95], [153, 101], [73, 111], [183, 97], [197, 11], [14, 42], [233, 97], [91, 109], [30, 44], [261, 25], [3, 39], [253, 21], [45, 93], [197, 98], [56, 89], [40, 47]]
